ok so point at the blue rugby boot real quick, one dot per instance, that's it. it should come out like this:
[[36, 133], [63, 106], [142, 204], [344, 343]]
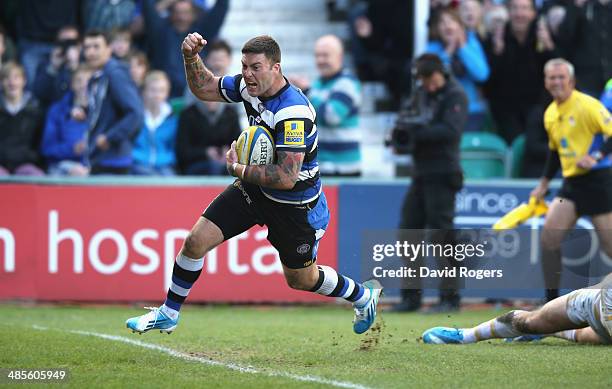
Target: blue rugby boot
[[365, 315], [154, 320], [443, 335]]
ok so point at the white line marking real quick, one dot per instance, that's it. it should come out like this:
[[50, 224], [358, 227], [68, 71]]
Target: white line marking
[[228, 365]]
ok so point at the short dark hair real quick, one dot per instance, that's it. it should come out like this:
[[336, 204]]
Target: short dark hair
[[220, 44], [263, 44], [97, 33], [428, 64]]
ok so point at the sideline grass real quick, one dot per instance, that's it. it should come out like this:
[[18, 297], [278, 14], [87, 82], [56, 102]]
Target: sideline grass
[[315, 341]]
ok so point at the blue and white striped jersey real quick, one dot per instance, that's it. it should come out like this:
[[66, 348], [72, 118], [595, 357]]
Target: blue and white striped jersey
[[289, 117]]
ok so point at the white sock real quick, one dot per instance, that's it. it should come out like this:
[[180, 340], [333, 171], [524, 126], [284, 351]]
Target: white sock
[[364, 299], [492, 329], [171, 313], [332, 284], [567, 335]]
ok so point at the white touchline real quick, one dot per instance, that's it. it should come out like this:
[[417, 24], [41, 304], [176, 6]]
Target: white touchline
[[231, 366]]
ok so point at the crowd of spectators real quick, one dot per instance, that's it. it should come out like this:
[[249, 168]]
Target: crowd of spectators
[[88, 87], [497, 50]]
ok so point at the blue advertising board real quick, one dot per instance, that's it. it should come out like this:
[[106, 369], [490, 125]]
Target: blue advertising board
[[366, 207]]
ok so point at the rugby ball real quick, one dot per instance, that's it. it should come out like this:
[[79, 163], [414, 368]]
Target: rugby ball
[[255, 146]]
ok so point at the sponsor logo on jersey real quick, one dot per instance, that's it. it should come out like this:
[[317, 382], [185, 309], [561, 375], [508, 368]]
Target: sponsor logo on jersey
[[294, 132], [564, 143]]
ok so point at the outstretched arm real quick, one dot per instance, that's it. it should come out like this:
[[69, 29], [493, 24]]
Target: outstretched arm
[[281, 175], [202, 82]]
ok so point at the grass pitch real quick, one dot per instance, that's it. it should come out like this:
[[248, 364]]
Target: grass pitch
[[297, 347]]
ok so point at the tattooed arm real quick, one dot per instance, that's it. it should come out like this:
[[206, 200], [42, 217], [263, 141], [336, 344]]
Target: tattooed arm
[[282, 175], [202, 82]]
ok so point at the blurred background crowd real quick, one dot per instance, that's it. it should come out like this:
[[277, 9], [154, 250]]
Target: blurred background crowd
[[98, 86]]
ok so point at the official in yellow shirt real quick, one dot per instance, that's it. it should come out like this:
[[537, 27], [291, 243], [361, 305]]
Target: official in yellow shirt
[[579, 130]]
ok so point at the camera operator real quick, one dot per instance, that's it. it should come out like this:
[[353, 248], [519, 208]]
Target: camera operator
[[429, 127], [53, 77]]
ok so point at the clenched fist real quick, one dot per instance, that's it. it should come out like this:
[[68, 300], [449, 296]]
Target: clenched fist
[[192, 45]]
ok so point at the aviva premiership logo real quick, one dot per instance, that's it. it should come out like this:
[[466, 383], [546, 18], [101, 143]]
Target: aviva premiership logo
[[294, 132]]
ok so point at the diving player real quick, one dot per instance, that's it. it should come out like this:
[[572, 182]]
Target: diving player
[[584, 316]]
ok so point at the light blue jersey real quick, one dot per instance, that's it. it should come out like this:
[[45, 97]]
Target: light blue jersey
[[337, 100]]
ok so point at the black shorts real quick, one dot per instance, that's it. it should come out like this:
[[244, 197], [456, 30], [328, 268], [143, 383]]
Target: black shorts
[[293, 230], [591, 192]]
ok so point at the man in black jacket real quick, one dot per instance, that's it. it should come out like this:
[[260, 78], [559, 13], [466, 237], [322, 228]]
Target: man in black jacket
[[430, 203], [517, 53], [585, 39]]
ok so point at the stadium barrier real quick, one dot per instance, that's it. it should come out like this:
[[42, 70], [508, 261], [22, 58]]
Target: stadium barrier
[[115, 238], [118, 243]]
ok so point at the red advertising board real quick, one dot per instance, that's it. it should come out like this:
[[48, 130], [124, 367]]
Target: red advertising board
[[118, 243]]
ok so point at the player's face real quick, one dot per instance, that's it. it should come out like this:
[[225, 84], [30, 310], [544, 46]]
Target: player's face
[[259, 74], [558, 82]]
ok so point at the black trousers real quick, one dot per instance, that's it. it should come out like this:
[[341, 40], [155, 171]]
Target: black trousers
[[430, 204]]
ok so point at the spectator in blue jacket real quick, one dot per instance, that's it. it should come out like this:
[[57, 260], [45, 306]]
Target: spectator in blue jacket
[[165, 35], [115, 109], [64, 137], [154, 145], [464, 56]]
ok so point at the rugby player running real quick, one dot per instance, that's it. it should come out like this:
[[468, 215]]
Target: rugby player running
[[285, 196]]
